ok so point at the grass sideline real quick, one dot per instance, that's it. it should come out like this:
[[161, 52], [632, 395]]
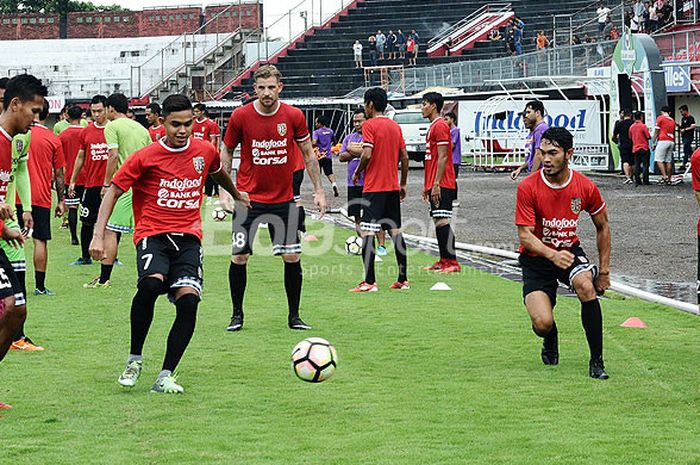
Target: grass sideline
[[423, 378]]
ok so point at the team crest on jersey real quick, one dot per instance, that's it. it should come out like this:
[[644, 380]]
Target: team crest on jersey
[[198, 164], [282, 129], [576, 204], [19, 145]]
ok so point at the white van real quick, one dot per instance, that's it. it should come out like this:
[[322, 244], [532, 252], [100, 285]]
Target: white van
[[415, 130]]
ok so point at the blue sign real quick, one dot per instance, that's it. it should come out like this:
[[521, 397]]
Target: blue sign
[[677, 76]]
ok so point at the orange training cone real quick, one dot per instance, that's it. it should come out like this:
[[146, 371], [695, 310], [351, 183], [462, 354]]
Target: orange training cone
[[633, 322]]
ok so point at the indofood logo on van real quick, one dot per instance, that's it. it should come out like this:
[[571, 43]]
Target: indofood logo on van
[[514, 122]]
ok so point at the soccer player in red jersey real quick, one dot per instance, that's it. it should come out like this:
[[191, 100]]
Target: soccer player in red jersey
[[695, 173], [156, 128], [382, 194], [46, 163], [22, 101], [266, 129], [547, 210], [440, 188], [166, 179], [70, 141], [90, 166], [207, 130]]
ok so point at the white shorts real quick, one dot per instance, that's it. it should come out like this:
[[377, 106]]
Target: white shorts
[[664, 151]]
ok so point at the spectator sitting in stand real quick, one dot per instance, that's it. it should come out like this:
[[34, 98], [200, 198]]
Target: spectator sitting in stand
[[495, 35]]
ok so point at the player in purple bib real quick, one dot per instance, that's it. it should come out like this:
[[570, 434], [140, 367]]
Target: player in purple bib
[[533, 119], [322, 140]]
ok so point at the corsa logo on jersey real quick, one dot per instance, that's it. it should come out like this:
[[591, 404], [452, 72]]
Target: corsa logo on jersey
[[99, 152], [179, 193], [269, 152]]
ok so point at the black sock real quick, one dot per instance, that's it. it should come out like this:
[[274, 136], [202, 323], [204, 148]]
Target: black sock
[[401, 259], [105, 273], [182, 330], [85, 238], [302, 219], [440, 240], [73, 223], [40, 278], [368, 259], [292, 285], [21, 277], [142, 312], [592, 320], [237, 280]]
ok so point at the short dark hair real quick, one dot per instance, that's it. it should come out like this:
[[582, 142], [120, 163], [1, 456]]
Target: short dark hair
[[176, 102], [683, 108], [75, 113], [154, 107], [451, 114], [3, 82], [639, 115], [201, 107], [535, 105], [359, 111], [627, 112], [44, 113], [561, 137], [666, 109], [378, 97], [24, 86], [434, 98], [323, 120], [99, 99], [119, 102]]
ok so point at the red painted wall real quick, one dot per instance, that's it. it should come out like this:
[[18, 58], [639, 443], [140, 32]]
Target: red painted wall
[[28, 26]]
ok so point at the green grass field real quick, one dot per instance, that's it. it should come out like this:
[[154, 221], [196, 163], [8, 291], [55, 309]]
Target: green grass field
[[423, 378]]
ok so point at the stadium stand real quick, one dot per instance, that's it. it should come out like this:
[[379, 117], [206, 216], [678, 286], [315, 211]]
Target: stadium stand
[[321, 64]]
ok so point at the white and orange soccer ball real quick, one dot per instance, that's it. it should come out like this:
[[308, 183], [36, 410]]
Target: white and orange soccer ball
[[314, 360], [219, 214]]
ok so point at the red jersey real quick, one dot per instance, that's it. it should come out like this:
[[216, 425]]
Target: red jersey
[[667, 128], [267, 160], [639, 133], [298, 161], [70, 140], [156, 132], [384, 137], [554, 210], [695, 172], [5, 162], [438, 135], [92, 140], [166, 186], [203, 130], [45, 156]]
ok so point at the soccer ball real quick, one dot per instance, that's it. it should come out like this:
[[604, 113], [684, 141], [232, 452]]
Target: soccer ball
[[314, 360], [353, 245], [219, 214]]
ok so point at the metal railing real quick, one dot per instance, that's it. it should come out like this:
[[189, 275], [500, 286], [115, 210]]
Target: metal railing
[[472, 74], [289, 27], [581, 23], [187, 49], [488, 8]]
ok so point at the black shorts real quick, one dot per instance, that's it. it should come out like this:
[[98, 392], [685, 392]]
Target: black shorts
[[282, 220], [444, 208], [326, 165], [42, 223], [355, 202], [626, 155], [176, 256], [540, 274], [381, 210], [456, 165], [9, 284], [297, 179], [74, 201], [90, 204]]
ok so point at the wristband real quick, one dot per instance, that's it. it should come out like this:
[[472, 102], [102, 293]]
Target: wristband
[[107, 186]]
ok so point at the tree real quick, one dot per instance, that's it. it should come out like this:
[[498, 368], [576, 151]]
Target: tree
[[62, 7]]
